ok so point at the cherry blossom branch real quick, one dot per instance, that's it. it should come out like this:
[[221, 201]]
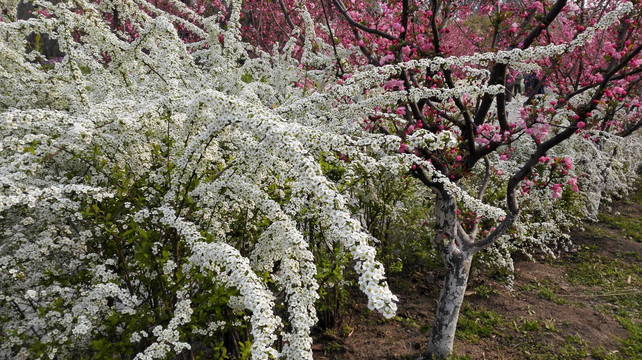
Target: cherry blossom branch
[[334, 45], [404, 20], [286, 14], [555, 10], [342, 9]]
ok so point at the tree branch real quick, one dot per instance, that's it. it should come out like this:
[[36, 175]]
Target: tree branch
[[334, 45], [342, 9], [552, 14]]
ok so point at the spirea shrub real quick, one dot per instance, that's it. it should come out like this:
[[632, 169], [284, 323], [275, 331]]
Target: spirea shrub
[[149, 203], [603, 166]]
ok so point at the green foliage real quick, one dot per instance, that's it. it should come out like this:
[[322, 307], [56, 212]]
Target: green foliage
[[147, 258], [476, 324], [333, 284], [631, 346], [631, 226], [219, 351], [484, 291], [545, 289], [572, 203], [397, 211]]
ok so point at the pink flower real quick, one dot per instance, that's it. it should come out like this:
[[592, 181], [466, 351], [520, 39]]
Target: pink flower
[[557, 190], [618, 90], [581, 124], [573, 182], [394, 83], [538, 132], [544, 159], [568, 162], [479, 140], [386, 59]]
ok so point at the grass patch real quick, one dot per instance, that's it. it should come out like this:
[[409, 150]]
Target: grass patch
[[574, 348], [631, 346], [484, 291], [636, 197], [527, 325], [545, 289], [457, 357], [631, 226], [476, 324], [334, 348], [594, 231], [609, 273], [618, 281]]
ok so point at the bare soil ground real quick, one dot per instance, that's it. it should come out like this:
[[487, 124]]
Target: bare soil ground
[[586, 304]]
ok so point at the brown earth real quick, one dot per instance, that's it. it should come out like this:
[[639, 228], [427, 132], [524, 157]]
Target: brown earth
[[546, 316]]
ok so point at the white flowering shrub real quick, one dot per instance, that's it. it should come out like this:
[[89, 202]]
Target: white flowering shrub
[[151, 198]]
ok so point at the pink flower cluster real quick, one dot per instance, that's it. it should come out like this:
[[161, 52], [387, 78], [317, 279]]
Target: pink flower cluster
[[487, 133]]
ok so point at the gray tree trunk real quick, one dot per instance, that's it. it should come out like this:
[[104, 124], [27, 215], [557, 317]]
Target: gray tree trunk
[[457, 263], [442, 334], [457, 249]]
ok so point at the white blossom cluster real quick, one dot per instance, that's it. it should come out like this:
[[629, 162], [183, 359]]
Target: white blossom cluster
[[169, 336], [232, 269], [78, 133]]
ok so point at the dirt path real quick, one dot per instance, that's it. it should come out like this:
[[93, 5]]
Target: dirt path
[[582, 305]]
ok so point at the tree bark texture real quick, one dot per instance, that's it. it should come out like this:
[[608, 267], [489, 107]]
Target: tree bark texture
[[442, 334], [457, 263]]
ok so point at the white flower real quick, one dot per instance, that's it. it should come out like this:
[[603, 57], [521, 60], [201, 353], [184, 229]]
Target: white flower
[[31, 294]]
